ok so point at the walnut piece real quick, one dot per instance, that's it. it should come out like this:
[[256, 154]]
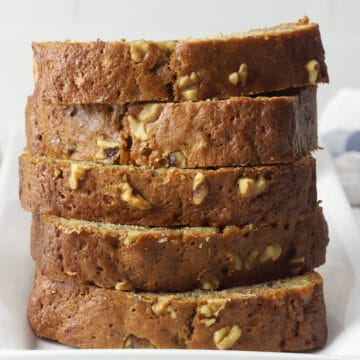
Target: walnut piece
[[123, 286], [200, 188], [134, 200], [237, 262], [297, 264], [131, 236], [250, 188], [239, 77], [108, 150], [271, 252], [210, 285], [211, 310], [191, 94], [208, 322], [250, 258], [77, 173], [188, 81], [233, 258], [209, 282], [168, 46], [313, 68], [234, 78], [138, 50], [133, 342], [71, 273], [163, 305], [189, 85], [137, 128], [226, 337], [243, 74], [177, 159], [150, 112]]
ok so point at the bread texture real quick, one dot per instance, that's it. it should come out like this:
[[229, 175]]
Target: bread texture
[[259, 61], [283, 315], [232, 132], [163, 259], [167, 197]]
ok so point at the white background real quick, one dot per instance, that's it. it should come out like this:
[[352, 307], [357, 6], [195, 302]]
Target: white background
[[23, 21]]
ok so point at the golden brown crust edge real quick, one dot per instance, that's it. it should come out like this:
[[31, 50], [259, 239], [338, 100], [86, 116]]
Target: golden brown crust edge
[[175, 197], [122, 72], [286, 317], [162, 259], [237, 131]]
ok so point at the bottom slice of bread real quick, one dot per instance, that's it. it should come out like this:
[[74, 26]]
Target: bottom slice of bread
[[283, 315]]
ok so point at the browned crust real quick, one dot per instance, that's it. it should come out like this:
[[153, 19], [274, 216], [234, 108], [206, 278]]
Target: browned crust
[[289, 190], [237, 131], [279, 316], [175, 260], [102, 72]]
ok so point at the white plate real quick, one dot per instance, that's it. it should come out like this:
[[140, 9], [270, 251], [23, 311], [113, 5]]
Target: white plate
[[341, 274]]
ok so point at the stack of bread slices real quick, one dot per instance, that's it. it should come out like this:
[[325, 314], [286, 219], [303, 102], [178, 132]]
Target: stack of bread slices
[[174, 194]]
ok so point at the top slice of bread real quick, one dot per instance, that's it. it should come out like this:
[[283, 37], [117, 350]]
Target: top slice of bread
[[259, 61]]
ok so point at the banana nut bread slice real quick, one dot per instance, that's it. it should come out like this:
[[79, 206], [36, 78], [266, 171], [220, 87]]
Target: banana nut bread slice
[[163, 259], [259, 61], [283, 315], [167, 197], [237, 131]]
